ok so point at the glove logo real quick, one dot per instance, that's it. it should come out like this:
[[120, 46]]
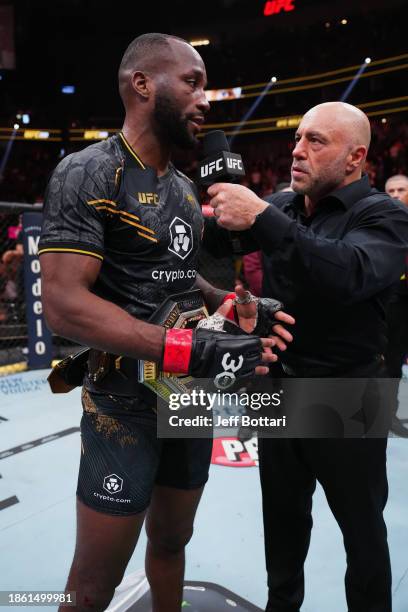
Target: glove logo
[[113, 483], [225, 379], [181, 238]]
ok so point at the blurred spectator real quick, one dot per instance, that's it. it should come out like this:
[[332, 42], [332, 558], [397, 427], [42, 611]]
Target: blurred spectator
[[11, 272], [253, 272], [397, 187], [267, 160]]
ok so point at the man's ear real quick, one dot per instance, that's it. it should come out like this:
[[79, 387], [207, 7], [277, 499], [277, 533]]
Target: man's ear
[[356, 157], [142, 84]]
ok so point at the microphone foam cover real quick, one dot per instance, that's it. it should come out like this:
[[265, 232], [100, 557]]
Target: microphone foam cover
[[215, 142]]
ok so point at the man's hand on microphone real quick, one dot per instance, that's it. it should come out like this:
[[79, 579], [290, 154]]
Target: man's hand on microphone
[[235, 206]]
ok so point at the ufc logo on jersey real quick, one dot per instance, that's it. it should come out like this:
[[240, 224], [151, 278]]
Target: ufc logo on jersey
[[148, 198]]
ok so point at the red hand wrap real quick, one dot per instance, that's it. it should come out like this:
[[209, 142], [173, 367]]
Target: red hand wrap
[[230, 314], [177, 350]]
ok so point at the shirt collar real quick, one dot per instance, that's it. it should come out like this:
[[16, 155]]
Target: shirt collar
[[347, 196], [133, 156], [130, 152]]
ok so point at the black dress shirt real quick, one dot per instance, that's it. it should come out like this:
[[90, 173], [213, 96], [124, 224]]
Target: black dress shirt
[[333, 270]]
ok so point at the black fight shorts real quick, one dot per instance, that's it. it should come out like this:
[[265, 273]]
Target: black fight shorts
[[122, 459]]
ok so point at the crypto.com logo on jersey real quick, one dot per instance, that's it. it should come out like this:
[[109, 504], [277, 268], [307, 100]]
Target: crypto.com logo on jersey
[[181, 238]]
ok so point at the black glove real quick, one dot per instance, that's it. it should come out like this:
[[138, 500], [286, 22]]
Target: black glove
[[224, 357], [203, 353], [266, 309]]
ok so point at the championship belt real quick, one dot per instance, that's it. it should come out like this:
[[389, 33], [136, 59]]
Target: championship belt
[[123, 375], [182, 311]]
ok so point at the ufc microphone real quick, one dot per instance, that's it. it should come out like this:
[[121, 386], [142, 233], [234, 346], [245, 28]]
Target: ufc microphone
[[219, 164]]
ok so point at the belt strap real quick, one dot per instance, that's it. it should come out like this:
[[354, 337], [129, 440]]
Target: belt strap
[[117, 375]]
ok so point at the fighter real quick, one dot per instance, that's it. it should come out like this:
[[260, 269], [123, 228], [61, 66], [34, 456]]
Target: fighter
[[122, 228]]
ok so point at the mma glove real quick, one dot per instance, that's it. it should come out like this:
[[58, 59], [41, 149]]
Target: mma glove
[[266, 308], [205, 353]]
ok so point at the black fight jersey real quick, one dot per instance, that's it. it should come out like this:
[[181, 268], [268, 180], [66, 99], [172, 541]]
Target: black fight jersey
[[106, 203]]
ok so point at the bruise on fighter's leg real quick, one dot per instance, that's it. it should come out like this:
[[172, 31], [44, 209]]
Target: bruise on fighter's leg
[[108, 426]]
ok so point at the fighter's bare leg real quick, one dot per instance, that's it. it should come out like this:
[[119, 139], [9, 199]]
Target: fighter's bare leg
[[104, 545], [169, 527]]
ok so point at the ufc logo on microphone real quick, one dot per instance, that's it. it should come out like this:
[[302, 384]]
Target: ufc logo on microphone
[[234, 164], [214, 166]]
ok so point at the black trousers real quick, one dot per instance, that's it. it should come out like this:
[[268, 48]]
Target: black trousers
[[352, 473]]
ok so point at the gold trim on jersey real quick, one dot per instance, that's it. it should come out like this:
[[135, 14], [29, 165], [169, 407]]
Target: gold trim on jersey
[[119, 212], [66, 250], [131, 150], [148, 237], [145, 229], [124, 214], [118, 173], [102, 201]]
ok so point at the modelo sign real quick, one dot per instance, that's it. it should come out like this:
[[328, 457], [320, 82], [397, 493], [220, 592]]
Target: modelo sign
[[39, 336]]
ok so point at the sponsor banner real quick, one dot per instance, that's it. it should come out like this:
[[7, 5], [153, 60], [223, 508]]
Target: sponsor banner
[[14, 385], [39, 336], [231, 452]]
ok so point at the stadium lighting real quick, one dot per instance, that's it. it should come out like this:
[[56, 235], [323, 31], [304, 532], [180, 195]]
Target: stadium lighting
[[343, 22], [68, 89], [253, 108], [351, 86], [16, 126], [200, 43], [367, 60]]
